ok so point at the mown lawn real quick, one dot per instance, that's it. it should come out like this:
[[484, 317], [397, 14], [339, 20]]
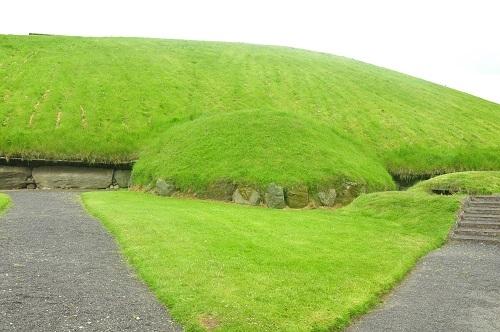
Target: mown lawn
[[4, 201], [237, 268]]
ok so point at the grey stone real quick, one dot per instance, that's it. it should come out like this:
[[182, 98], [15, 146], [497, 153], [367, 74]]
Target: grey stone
[[122, 177], [12, 177], [327, 197], [165, 188], [349, 191], [221, 190], [246, 195], [67, 177], [275, 197], [297, 196], [31, 186]]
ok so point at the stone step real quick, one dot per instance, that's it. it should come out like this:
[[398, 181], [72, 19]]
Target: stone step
[[480, 216], [477, 219], [488, 214], [489, 239], [480, 221], [482, 210], [483, 201], [478, 231], [493, 198], [479, 224], [482, 204]]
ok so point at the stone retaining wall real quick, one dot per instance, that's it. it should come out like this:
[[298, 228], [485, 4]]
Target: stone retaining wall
[[63, 177], [78, 177], [274, 196]]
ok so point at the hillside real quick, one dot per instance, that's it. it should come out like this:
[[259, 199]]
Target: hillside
[[198, 111]]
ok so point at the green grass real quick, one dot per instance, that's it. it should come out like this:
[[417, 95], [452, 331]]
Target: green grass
[[258, 147], [473, 183], [4, 202], [243, 268], [117, 99]]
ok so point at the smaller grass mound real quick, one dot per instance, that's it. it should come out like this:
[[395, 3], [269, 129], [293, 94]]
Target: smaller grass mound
[[256, 148], [238, 268], [472, 183], [414, 161], [4, 201]]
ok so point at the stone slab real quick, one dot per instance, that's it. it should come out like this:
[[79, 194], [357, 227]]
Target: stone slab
[[122, 177], [12, 177], [67, 177]]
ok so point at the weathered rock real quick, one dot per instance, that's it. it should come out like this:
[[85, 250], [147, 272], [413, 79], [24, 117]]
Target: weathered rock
[[297, 197], [275, 197], [246, 195], [165, 188], [349, 191], [14, 177], [122, 177], [31, 186], [221, 190], [67, 177], [327, 197]]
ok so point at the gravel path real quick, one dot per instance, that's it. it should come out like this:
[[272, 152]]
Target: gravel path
[[61, 271], [455, 288]]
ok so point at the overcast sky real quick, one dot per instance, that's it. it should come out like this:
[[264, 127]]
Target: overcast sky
[[455, 43]]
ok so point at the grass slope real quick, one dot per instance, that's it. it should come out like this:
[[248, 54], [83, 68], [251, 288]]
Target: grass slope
[[473, 183], [258, 148], [115, 99], [239, 268], [4, 201]]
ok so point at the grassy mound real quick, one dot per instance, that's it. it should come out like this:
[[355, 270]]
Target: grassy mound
[[111, 99], [4, 201], [258, 147], [238, 268], [473, 183]]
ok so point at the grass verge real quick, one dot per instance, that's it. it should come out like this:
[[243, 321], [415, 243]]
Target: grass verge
[[4, 202], [236, 268]]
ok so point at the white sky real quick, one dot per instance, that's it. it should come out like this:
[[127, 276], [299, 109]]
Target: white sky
[[455, 43]]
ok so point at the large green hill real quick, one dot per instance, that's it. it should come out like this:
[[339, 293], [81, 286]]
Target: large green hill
[[197, 112]]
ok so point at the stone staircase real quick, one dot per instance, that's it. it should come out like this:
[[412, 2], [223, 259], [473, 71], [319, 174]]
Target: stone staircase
[[479, 220]]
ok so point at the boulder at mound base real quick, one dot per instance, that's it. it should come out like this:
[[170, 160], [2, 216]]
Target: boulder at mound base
[[67, 177], [122, 177], [14, 177], [297, 197], [220, 190], [349, 191], [275, 196], [246, 195], [165, 188], [327, 197]]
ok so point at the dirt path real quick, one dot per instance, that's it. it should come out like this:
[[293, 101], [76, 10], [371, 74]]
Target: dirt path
[[455, 288], [60, 271]]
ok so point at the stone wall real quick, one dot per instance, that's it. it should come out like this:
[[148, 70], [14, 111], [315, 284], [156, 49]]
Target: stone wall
[[274, 196], [63, 177]]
